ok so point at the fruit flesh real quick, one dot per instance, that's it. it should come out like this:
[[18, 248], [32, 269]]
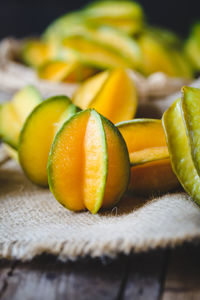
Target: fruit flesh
[[95, 163], [179, 150], [93, 53], [65, 71], [9, 125], [14, 113], [37, 136], [25, 100], [140, 134], [66, 163], [117, 100], [153, 178], [151, 170], [99, 164], [148, 155], [89, 89]]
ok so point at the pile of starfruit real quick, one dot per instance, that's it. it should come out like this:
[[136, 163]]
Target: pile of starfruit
[[105, 35]]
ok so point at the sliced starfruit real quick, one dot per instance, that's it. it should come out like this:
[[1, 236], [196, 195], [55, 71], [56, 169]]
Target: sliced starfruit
[[91, 52], [14, 113], [125, 15], [35, 53], [88, 165], [37, 135], [151, 171], [111, 93], [65, 71], [160, 56]]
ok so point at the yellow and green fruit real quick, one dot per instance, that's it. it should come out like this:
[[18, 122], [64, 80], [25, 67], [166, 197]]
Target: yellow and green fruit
[[38, 133], [14, 113], [151, 171], [111, 93], [88, 165]]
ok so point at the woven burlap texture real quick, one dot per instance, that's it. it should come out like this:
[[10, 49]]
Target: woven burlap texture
[[33, 222]]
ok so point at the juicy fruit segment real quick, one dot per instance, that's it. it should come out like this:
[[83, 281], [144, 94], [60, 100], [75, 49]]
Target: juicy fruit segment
[[151, 170], [148, 155], [14, 113], [25, 100], [96, 163], [89, 89], [179, 149], [66, 161], [9, 125], [65, 71], [37, 135], [153, 178], [113, 95], [93, 53], [35, 53], [85, 151], [140, 134], [117, 100]]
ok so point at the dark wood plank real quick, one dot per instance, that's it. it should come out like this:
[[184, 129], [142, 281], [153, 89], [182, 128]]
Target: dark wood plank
[[145, 276], [6, 270], [47, 279], [183, 274]]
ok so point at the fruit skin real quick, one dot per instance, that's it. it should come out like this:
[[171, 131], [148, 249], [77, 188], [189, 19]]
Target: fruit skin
[[108, 164], [14, 113], [179, 150], [151, 171], [37, 135], [190, 105]]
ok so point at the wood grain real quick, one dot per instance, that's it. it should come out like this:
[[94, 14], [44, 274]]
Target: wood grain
[[145, 276], [183, 274], [47, 279]]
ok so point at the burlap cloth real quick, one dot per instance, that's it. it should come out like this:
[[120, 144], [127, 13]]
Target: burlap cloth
[[33, 222]]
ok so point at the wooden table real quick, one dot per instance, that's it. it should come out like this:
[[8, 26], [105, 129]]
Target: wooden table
[[161, 274]]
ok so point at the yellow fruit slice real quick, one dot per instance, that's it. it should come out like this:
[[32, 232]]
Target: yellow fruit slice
[[90, 52], [37, 135], [14, 113], [65, 71], [89, 89], [35, 53], [112, 94], [151, 170], [88, 164], [148, 155]]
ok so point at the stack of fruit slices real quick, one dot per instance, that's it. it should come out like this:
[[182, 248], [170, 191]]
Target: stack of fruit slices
[[105, 35]]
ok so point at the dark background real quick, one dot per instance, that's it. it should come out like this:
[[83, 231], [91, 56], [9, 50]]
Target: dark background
[[23, 17]]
